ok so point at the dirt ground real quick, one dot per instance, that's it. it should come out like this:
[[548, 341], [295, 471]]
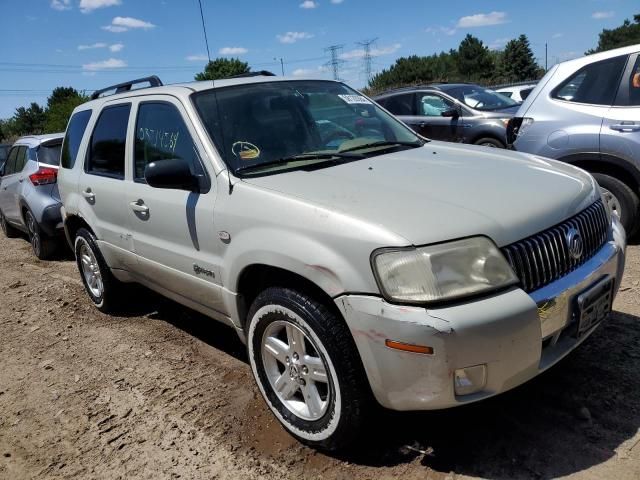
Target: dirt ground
[[163, 392]]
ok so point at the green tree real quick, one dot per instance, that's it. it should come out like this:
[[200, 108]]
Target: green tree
[[474, 60], [223, 68], [517, 62], [60, 105], [29, 121], [626, 34]]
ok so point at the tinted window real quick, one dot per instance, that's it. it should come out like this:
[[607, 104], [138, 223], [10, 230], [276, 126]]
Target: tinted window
[[525, 93], [11, 161], [432, 105], [480, 98], [4, 152], [73, 138], [21, 160], [106, 154], [162, 134], [506, 94], [399, 104], [49, 154], [595, 84]]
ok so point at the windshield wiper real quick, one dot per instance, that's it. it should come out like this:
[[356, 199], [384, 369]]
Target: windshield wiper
[[302, 156], [384, 143]]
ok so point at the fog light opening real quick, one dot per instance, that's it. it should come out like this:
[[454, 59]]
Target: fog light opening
[[470, 380]]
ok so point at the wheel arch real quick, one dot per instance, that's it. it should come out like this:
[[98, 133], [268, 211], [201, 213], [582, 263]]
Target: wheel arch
[[73, 223], [617, 167]]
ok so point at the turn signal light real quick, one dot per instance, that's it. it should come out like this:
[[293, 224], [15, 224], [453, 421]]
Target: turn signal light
[[407, 347], [44, 176]]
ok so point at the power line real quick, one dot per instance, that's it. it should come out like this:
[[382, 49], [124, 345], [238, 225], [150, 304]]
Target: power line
[[204, 29], [366, 58], [336, 62]]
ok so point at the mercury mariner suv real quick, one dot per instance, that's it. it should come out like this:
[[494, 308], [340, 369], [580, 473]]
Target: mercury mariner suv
[[360, 263]]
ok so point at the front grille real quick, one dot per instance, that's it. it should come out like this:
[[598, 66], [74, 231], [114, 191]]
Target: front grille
[[544, 257]]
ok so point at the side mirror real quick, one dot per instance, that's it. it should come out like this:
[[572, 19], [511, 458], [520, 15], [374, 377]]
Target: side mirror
[[451, 113], [172, 173]]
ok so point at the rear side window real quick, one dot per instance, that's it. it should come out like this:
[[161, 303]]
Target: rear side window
[[73, 138], [11, 161], [161, 134], [634, 85], [595, 84], [107, 149], [49, 154], [399, 104], [21, 159], [525, 93]]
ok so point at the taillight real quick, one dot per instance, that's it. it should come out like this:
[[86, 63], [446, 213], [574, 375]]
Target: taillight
[[44, 176]]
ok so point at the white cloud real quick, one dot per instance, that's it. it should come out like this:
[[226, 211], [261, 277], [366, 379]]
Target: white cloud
[[375, 52], [61, 4], [293, 37], [92, 46], [307, 4], [445, 30], [87, 6], [104, 65], [122, 24], [232, 51], [116, 47], [557, 35], [482, 20], [197, 58], [602, 15], [309, 72], [337, 2]]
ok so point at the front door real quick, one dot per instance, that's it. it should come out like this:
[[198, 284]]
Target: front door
[[430, 121], [10, 187], [175, 241]]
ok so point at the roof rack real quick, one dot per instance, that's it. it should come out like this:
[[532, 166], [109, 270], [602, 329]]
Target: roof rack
[[259, 73], [153, 81]]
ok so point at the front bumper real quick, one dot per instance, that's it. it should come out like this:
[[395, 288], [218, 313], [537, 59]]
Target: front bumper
[[516, 335]]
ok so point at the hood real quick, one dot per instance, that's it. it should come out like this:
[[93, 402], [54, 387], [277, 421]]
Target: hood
[[446, 191]]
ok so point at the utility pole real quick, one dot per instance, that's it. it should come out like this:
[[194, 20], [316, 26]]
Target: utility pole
[[546, 57], [366, 58], [336, 61], [281, 65]]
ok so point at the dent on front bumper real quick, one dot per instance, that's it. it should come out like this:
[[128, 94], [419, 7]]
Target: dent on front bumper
[[516, 335]]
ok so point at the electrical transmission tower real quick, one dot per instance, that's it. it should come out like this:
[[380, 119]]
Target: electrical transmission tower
[[366, 58], [336, 62]]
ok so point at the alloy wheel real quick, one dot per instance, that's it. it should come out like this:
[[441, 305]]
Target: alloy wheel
[[296, 371], [34, 234], [612, 203], [91, 271]]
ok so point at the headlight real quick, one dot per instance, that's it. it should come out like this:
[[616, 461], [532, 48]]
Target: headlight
[[441, 272]]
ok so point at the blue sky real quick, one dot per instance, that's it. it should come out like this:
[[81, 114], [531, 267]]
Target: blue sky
[[89, 44]]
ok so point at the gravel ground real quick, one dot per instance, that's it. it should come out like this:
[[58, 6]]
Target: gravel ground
[[162, 392]]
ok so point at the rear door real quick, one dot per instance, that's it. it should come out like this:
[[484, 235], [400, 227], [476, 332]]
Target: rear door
[[11, 184], [620, 134], [403, 106], [174, 236], [102, 185], [6, 180]]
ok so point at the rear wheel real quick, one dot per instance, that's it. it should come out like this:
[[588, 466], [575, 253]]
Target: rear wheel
[[307, 367], [621, 200], [489, 142], [8, 230], [100, 284], [43, 247]]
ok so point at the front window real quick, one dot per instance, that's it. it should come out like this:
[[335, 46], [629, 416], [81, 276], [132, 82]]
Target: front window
[[268, 127], [480, 98]]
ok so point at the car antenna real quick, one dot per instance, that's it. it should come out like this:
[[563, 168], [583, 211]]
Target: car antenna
[[215, 94]]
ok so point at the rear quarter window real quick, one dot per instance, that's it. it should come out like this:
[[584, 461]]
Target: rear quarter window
[[73, 138], [594, 84], [49, 154]]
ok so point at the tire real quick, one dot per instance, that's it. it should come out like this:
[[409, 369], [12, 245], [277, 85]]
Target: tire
[[621, 200], [343, 398], [101, 286], [8, 230], [489, 142], [43, 246]]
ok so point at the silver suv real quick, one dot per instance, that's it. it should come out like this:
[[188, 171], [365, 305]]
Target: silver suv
[[29, 198], [361, 264], [587, 112]]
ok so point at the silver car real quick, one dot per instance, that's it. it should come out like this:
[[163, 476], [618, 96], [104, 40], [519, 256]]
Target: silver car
[[29, 198], [360, 263], [587, 112]]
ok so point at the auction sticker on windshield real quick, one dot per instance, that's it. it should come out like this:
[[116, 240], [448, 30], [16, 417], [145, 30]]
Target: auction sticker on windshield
[[352, 99]]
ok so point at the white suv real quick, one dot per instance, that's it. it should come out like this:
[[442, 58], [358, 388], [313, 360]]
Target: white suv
[[360, 263]]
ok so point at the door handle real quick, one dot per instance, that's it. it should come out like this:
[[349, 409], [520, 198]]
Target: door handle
[[21, 180], [625, 127], [89, 195], [422, 124], [139, 207]]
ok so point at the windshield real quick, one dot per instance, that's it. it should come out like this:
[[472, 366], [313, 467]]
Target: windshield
[[49, 154], [266, 127], [481, 98]]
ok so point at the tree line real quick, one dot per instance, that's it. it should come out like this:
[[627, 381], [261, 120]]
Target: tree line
[[472, 61]]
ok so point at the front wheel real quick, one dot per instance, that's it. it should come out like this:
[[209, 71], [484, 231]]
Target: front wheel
[[621, 200], [306, 365], [489, 142]]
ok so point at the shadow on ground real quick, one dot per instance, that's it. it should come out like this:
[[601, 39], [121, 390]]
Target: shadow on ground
[[572, 417]]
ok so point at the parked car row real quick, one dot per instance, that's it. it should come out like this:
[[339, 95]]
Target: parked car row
[[518, 93], [362, 264]]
